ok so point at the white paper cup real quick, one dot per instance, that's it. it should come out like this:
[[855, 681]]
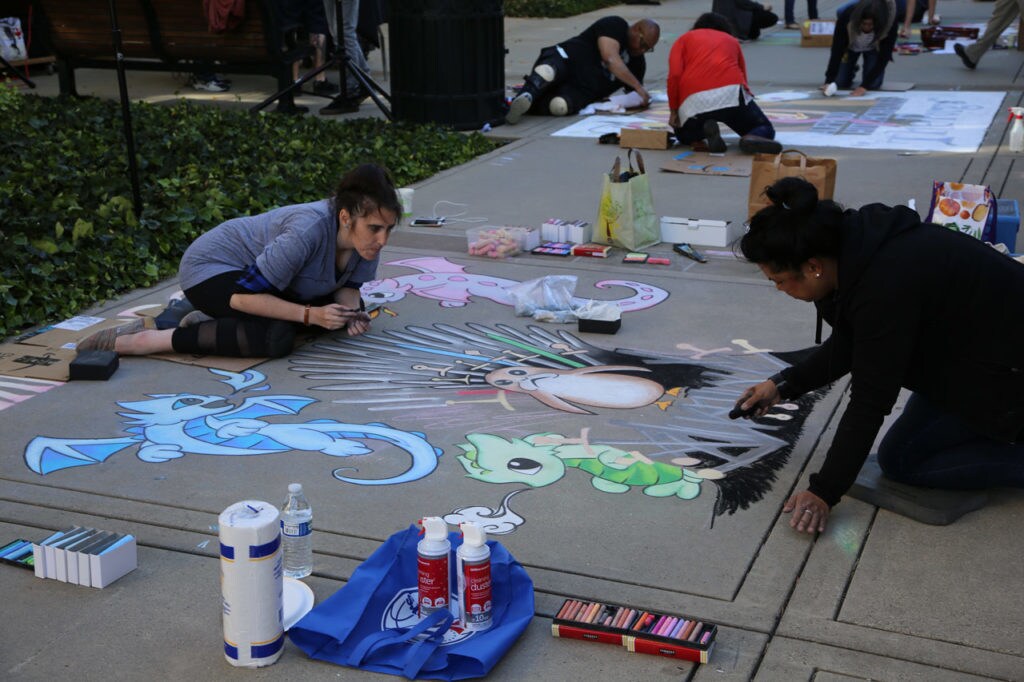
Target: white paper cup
[[405, 194], [830, 89]]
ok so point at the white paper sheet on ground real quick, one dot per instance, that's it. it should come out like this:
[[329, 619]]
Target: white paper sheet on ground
[[917, 120], [620, 102], [597, 125]]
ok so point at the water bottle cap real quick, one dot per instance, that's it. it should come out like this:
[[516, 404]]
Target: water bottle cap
[[295, 488]]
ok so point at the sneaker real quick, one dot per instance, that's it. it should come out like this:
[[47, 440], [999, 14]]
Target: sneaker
[[325, 88], [520, 105], [716, 145], [962, 53], [755, 144], [793, 26], [208, 84], [338, 105]]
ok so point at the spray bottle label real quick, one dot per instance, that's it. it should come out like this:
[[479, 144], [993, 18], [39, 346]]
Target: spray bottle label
[[475, 593], [433, 583]]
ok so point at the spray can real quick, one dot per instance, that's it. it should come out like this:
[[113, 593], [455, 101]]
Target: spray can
[[432, 570], [1017, 129], [473, 566]]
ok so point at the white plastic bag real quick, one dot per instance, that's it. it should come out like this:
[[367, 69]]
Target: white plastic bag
[[547, 299], [12, 40]]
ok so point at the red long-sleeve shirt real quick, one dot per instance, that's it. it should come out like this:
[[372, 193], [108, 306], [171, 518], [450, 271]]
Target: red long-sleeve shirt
[[704, 59]]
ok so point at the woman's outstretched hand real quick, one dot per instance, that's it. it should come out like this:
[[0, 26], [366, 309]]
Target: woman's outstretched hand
[[810, 512]]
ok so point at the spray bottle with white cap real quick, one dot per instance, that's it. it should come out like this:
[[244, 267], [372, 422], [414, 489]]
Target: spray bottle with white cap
[[433, 573], [473, 565]]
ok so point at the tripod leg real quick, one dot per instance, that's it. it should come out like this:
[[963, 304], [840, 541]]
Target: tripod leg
[[10, 67]]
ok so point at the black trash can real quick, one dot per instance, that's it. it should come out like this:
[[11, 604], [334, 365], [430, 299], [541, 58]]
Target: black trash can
[[448, 62]]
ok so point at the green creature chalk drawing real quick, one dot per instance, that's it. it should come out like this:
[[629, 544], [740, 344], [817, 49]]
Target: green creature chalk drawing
[[541, 459]]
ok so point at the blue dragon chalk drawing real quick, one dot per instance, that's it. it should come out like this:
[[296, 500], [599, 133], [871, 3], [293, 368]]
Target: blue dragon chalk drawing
[[169, 426]]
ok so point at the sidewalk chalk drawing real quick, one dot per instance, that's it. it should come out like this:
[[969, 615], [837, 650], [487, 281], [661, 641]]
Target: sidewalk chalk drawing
[[667, 435], [556, 369], [14, 390], [916, 120], [169, 426], [451, 286]]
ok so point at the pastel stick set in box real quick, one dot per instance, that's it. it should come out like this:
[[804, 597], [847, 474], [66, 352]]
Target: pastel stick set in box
[[639, 630]]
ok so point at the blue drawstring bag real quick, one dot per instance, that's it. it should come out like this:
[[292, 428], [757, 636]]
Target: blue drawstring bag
[[371, 622]]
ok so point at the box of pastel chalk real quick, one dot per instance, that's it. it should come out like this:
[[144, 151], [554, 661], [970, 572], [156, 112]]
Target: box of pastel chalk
[[638, 630]]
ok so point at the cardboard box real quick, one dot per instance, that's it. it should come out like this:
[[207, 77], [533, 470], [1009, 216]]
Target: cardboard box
[[701, 231], [638, 138], [817, 32]]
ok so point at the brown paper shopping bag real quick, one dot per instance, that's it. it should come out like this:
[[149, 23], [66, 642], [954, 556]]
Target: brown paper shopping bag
[[626, 216], [767, 168]]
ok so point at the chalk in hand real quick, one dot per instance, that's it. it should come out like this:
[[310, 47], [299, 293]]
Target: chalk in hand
[[737, 412]]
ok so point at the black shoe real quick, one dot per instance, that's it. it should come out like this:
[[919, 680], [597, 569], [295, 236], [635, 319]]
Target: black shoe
[[342, 105], [716, 145], [962, 53], [325, 88], [755, 144]]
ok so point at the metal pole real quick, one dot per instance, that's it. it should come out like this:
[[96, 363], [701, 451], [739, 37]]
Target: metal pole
[[126, 112]]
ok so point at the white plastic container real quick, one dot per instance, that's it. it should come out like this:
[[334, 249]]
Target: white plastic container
[[473, 565], [433, 573], [251, 584], [1017, 129]]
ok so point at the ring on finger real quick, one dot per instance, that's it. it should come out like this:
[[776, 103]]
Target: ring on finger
[[808, 511]]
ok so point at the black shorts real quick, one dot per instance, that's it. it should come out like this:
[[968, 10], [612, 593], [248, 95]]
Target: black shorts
[[309, 14]]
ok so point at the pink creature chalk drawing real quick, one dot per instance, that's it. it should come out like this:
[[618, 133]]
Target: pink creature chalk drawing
[[449, 284]]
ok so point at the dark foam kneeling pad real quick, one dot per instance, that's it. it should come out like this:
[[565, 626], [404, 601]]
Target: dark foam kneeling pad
[[94, 364], [933, 506]]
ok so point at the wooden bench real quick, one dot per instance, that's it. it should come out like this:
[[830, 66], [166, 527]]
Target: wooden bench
[[170, 35]]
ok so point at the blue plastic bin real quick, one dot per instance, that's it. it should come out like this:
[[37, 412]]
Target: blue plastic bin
[[1007, 223]]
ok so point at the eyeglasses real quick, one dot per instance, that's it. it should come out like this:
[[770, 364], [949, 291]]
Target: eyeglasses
[[644, 46]]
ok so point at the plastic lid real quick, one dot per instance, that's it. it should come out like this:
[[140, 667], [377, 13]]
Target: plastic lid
[[435, 528], [295, 488], [474, 538]]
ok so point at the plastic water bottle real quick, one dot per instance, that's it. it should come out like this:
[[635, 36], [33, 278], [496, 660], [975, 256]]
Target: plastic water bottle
[[297, 533]]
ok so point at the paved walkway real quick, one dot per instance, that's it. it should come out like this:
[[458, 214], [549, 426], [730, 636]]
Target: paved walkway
[[875, 597]]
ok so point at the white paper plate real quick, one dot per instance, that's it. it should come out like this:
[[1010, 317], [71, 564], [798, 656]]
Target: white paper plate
[[298, 600]]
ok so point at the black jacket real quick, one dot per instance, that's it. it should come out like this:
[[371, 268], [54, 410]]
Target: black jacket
[[848, 25], [920, 307]]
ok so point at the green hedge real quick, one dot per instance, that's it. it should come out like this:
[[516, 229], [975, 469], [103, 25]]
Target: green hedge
[[68, 235], [553, 8]]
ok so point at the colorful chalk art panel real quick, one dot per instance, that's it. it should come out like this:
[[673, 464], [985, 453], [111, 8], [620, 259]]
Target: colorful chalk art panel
[[934, 121]]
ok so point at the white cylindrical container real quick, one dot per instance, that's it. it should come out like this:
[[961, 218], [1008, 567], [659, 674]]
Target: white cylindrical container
[[433, 574], [1017, 129], [473, 564], [406, 194], [250, 579]]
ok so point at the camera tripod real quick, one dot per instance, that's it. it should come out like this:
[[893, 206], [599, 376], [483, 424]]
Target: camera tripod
[[340, 104]]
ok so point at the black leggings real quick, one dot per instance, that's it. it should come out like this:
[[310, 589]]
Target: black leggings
[[231, 333]]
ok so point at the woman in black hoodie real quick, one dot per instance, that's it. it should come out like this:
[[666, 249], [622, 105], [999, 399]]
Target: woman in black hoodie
[[911, 305]]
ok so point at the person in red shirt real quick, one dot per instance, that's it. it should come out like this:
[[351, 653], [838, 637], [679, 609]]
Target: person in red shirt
[[707, 84]]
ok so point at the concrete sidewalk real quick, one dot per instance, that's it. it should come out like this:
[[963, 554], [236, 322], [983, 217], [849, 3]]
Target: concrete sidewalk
[[877, 596]]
